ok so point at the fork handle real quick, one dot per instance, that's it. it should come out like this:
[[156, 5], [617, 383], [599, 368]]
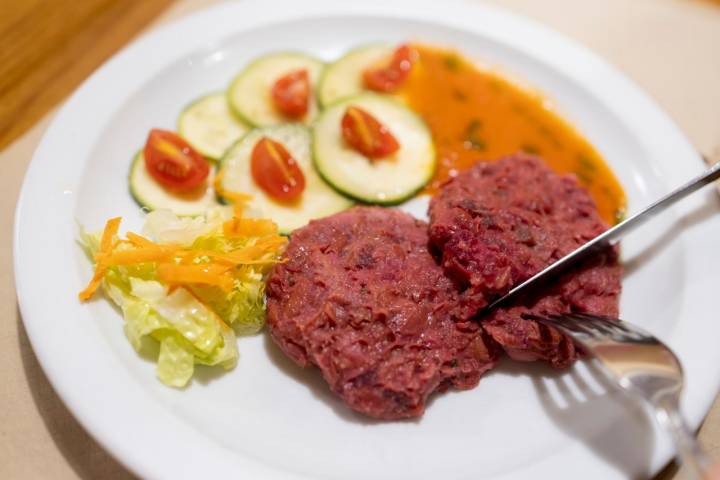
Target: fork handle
[[667, 413]]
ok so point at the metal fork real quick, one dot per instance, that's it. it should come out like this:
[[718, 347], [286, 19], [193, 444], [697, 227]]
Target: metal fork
[[641, 364]]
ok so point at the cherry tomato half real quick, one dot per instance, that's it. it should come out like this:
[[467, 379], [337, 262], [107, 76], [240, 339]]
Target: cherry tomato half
[[291, 94], [173, 163], [388, 78], [367, 135], [276, 171]]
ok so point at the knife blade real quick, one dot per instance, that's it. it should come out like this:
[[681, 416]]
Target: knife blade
[[611, 236]]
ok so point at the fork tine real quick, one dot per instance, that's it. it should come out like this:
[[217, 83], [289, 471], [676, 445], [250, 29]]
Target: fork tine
[[563, 324], [635, 330], [617, 326], [637, 333], [577, 324], [596, 323], [543, 319], [597, 319], [584, 316]]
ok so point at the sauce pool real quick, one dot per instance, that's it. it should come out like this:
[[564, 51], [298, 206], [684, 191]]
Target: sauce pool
[[475, 115]]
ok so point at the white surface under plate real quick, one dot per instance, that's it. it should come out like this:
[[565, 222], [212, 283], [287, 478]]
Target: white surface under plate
[[270, 419]]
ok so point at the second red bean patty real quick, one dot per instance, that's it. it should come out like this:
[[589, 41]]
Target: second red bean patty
[[498, 224]]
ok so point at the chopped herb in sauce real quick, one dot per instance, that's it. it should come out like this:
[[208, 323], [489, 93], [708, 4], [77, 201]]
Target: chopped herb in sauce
[[495, 85], [472, 139], [620, 214], [550, 135], [586, 169], [530, 148], [452, 62], [586, 163], [517, 108], [584, 178], [459, 95]]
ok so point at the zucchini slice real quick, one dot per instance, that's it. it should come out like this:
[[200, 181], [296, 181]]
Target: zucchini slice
[[317, 200], [344, 77], [209, 125], [250, 95], [386, 181], [152, 196]]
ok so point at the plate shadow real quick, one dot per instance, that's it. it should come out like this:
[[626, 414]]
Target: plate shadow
[[311, 378], [566, 396]]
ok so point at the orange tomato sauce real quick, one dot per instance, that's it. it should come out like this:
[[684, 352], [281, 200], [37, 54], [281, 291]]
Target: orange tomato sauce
[[477, 115]]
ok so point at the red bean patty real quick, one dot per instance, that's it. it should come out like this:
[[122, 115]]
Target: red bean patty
[[360, 297], [498, 224]]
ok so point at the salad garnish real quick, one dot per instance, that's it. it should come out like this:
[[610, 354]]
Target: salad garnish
[[187, 284]]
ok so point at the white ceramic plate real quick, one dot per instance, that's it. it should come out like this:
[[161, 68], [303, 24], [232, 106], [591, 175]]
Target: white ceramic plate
[[270, 419]]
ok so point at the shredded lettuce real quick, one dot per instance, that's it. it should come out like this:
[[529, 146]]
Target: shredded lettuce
[[191, 323], [244, 306], [166, 227], [175, 363]]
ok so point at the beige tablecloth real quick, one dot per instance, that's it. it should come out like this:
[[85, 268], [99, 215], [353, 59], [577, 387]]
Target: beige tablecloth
[[671, 48]]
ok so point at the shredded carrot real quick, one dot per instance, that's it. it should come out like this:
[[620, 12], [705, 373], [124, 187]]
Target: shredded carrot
[[254, 253], [109, 233], [249, 227], [106, 244], [272, 241], [92, 287], [141, 255], [248, 255], [207, 274], [245, 256], [139, 240], [238, 199], [177, 265], [230, 259], [146, 251], [217, 183], [188, 257]]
